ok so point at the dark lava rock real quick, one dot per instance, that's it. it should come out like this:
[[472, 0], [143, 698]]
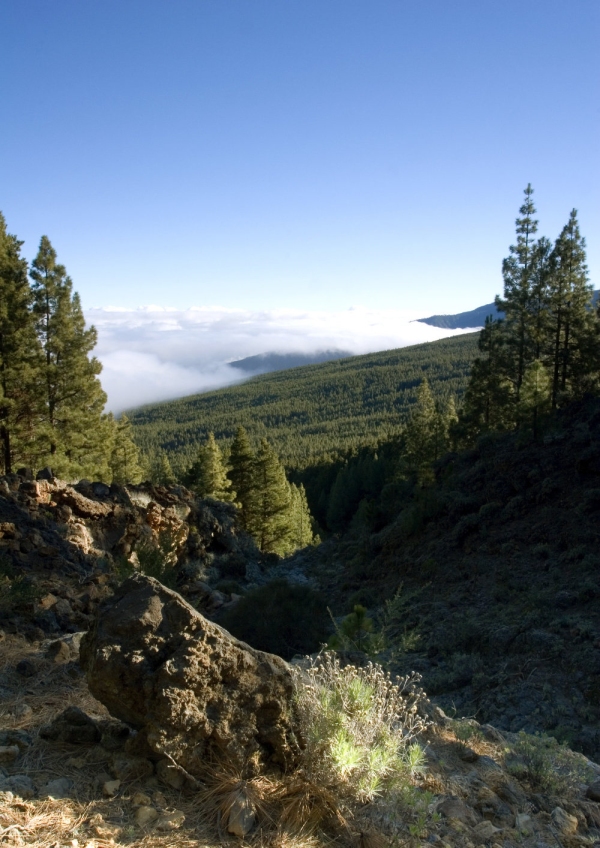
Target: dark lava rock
[[193, 689], [73, 727]]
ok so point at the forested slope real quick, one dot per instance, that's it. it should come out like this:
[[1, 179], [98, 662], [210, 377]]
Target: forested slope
[[311, 411]]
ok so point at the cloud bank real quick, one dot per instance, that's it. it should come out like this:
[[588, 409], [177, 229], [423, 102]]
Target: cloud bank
[[155, 353]]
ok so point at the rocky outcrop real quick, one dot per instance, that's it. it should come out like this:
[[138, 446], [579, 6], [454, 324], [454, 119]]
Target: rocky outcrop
[[193, 690], [67, 545]]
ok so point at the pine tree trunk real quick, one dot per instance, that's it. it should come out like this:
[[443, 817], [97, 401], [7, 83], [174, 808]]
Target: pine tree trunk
[[565, 356], [5, 437], [556, 369]]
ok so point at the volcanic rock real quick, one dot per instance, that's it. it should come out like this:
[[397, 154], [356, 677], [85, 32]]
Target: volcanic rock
[[192, 689]]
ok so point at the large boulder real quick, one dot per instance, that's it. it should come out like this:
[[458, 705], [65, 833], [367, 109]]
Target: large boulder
[[192, 689]]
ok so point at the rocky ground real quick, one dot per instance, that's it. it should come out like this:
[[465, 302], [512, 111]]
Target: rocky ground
[[69, 779], [492, 587], [64, 548]]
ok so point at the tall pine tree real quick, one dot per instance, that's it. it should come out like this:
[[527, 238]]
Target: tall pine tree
[[242, 469], [124, 461], [550, 333], [517, 271], [535, 396], [208, 475], [19, 358], [271, 524], [488, 403], [573, 324], [426, 436], [73, 430], [300, 518]]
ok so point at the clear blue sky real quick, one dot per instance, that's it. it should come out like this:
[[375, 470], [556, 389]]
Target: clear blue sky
[[311, 154]]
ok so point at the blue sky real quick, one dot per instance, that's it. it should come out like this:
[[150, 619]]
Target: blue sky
[[295, 154]]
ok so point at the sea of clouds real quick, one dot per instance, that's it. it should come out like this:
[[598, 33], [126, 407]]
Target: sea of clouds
[[155, 353]]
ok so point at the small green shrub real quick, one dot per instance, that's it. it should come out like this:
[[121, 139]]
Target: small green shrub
[[514, 508], [547, 764], [154, 559], [232, 565], [468, 524], [356, 633], [489, 510], [365, 596], [16, 590], [466, 731], [281, 618], [359, 728]]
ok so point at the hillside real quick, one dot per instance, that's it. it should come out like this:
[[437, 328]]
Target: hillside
[[496, 582], [497, 572], [314, 410], [264, 363]]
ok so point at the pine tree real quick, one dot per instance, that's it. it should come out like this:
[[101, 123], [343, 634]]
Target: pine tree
[[517, 271], [541, 276], [161, 472], [19, 357], [535, 395], [73, 428], [573, 324], [423, 438], [208, 476], [488, 404], [450, 422], [124, 462], [242, 475], [271, 525], [344, 497], [301, 521]]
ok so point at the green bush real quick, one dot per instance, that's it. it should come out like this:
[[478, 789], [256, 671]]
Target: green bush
[[356, 633], [154, 559], [281, 618], [547, 765], [230, 587], [16, 590], [359, 728]]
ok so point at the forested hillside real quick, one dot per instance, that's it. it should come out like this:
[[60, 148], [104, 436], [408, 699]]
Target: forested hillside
[[311, 411]]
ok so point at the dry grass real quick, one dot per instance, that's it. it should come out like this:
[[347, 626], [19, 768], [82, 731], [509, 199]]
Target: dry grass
[[86, 819], [51, 689], [293, 811]]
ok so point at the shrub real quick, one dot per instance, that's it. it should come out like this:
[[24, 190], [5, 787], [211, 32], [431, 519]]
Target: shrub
[[467, 524], [359, 728], [154, 559], [356, 633], [547, 765], [281, 618], [359, 751], [230, 587], [16, 590]]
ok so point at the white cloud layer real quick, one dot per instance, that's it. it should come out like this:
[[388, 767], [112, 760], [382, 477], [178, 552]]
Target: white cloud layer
[[154, 353]]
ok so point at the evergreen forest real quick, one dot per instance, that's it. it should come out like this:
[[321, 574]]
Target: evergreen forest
[[314, 412], [357, 434], [310, 449]]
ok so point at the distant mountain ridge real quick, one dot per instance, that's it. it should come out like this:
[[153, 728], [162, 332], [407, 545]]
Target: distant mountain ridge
[[263, 363], [472, 319]]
